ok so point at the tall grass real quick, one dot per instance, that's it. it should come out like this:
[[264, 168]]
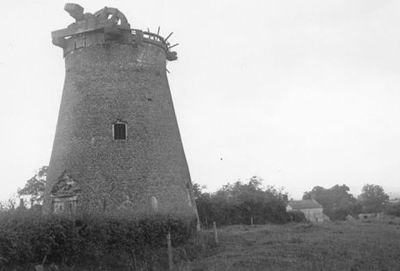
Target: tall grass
[[355, 246]]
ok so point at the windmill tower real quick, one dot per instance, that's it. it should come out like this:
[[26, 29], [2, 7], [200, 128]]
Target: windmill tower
[[117, 144]]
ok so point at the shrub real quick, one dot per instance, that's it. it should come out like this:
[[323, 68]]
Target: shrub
[[239, 203], [97, 241], [393, 209], [296, 216]]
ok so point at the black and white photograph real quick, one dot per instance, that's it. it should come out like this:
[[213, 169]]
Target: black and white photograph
[[206, 135]]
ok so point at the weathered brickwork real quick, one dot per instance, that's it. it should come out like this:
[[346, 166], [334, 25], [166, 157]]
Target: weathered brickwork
[[119, 78]]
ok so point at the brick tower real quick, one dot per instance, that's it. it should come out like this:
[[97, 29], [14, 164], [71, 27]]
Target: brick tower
[[117, 144]]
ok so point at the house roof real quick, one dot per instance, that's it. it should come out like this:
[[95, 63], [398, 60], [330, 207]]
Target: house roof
[[304, 204]]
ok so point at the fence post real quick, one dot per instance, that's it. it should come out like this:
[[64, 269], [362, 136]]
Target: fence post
[[170, 262], [215, 232]]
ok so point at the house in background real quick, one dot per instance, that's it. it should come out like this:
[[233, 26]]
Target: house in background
[[311, 208]]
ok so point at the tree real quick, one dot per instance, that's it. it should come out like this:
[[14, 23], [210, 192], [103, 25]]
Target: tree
[[203, 203], [241, 203], [34, 187], [336, 201], [373, 198], [10, 204], [393, 209]]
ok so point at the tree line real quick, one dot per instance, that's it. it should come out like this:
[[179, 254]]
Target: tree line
[[247, 202]]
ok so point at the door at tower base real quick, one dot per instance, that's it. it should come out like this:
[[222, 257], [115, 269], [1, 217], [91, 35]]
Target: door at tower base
[[65, 205], [65, 195]]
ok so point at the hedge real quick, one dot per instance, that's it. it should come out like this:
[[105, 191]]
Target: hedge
[[113, 242]]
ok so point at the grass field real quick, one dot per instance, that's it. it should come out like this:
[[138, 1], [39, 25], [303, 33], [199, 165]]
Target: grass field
[[355, 245]]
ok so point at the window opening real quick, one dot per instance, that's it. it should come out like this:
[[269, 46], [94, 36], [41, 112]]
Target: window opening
[[119, 131]]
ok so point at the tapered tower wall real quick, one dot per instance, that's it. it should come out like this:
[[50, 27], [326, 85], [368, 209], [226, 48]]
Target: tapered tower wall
[[110, 79]]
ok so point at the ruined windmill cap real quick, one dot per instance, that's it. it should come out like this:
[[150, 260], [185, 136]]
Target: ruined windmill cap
[[104, 26]]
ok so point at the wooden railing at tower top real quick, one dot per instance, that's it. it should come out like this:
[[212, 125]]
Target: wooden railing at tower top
[[155, 39], [148, 36]]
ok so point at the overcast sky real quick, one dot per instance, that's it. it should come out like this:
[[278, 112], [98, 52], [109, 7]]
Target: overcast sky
[[298, 92]]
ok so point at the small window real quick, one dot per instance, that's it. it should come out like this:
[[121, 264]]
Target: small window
[[119, 131], [58, 207]]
